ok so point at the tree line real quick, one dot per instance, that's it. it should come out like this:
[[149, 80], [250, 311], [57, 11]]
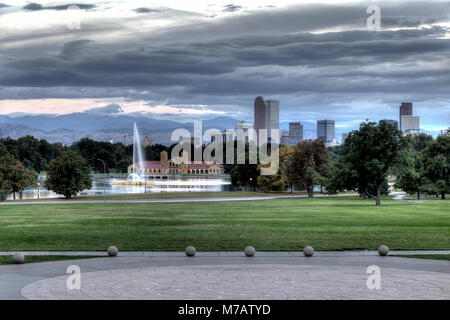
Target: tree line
[[362, 163]]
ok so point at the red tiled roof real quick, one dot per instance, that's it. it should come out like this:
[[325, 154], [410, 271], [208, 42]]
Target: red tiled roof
[[203, 164], [151, 164]]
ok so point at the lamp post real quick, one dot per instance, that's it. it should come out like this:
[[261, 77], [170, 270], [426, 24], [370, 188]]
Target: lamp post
[[104, 183], [38, 185]]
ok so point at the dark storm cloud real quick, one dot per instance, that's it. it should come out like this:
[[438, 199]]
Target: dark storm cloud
[[232, 8], [33, 6], [228, 61], [146, 10]]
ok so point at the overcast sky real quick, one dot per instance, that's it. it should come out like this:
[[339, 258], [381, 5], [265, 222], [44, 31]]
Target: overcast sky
[[202, 59]]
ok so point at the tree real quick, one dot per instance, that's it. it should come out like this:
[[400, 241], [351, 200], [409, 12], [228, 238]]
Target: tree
[[14, 177], [419, 142], [68, 174], [310, 165], [245, 174], [366, 159], [410, 176], [436, 166]]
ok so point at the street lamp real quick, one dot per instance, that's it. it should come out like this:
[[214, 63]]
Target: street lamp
[[38, 185], [104, 183]]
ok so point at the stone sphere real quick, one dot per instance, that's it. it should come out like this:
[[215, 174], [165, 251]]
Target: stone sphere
[[190, 251], [308, 251], [383, 250], [18, 258], [250, 251], [112, 251]]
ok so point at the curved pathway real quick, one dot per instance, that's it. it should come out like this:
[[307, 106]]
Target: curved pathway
[[268, 275]]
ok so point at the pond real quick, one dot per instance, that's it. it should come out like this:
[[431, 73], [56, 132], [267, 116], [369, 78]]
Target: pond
[[188, 184]]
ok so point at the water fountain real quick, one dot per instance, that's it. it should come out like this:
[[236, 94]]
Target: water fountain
[[134, 178]]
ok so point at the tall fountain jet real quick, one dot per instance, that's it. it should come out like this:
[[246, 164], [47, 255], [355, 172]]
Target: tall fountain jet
[[137, 155], [137, 148]]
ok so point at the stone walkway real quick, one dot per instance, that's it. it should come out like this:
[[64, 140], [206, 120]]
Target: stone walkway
[[244, 282], [268, 275]]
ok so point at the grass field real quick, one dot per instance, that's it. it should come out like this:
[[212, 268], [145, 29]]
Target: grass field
[[279, 225], [165, 195], [31, 259]]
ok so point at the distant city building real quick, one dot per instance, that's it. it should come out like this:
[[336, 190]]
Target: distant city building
[[148, 142], [325, 130], [445, 132], [295, 133], [284, 139], [266, 115], [344, 136], [410, 125], [406, 109], [390, 121], [245, 126]]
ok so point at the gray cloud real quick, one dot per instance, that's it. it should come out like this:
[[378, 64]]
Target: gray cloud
[[109, 109], [226, 62], [232, 8], [33, 6], [146, 10]]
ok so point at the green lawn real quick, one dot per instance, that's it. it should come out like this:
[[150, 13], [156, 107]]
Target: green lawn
[[30, 259], [165, 195], [280, 225]]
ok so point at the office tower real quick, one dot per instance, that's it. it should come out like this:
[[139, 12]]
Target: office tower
[[295, 133], [410, 125], [406, 109], [244, 126], [391, 122], [284, 138], [325, 130], [266, 115]]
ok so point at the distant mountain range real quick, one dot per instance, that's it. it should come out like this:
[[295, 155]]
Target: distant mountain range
[[69, 128]]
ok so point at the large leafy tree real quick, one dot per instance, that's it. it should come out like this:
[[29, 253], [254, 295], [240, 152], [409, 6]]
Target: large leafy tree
[[367, 156], [68, 174], [436, 166], [245, 174], [410, 175], [280, 180], [310, 165], [14, 176]]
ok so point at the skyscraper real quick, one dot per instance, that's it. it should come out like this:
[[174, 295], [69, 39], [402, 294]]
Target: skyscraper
[[266, 116], [406, 109], [410, 125], [390, 121], [325, 130], [284, 139], [295, 133]]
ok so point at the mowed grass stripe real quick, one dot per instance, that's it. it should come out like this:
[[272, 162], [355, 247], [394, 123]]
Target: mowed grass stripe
[[281, 225]]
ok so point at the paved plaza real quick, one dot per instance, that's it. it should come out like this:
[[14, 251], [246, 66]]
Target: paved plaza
[[230, 275]]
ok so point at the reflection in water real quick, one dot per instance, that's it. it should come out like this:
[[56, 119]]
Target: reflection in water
[[153, 186]]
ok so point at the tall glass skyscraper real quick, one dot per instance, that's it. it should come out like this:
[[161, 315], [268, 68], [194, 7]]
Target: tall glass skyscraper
[[267, 115]]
